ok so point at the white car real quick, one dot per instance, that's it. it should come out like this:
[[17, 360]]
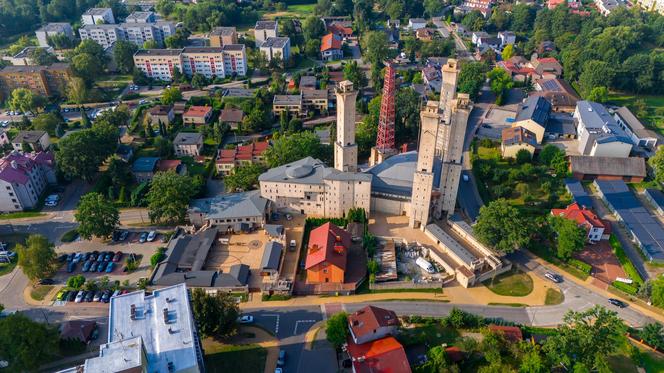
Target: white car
[[293, 245], [246, 319], [554, 277], [79, 296], [151, 236]]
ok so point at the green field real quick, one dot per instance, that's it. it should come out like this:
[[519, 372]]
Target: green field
[[221, 357], [513, 283], [21, 215], [553, 297], [653, 117]]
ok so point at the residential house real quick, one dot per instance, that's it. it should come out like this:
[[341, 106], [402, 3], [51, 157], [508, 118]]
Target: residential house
[[265, 30], [640, 135], [291, 104], [533, 115], [547, 67], [307, 82], [276, 47], [161, 113], [417, 23], [38, 140], [175, 165], [330, 47], [340, 30], [506, 38], [516, 138], [95, 16], [179, 107], [197, 115], [232, 116], [382, 355], [220, 36], [476, 36], [558, 92], [327, 254], [271, 261], [546, 46], [188, 144], [234, 212], [432, 77], [656, 198], [144, 168], [425, 34], [344, 21], [629, 169], [518, 67], [512, 334], [585, 218], [53, 29], [599, 133], [242, 155], [23, 178], [315, 99], [371, 323], [78, 330]]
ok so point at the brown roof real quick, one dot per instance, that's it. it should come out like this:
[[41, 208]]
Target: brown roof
[[512, 333], [78, 330], [161, 110], [369, 318], [610, 166], [518, 135], [231, 115]]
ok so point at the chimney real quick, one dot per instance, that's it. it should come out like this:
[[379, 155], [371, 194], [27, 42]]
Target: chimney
[[337, 239]]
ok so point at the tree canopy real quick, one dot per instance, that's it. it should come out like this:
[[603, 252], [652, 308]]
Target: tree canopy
[[336, 329], [97, 216], [168, 198], [569, 236], [243, 178], [216, 314], [502, 226], [37, 257], [287, 149], [27, 344]]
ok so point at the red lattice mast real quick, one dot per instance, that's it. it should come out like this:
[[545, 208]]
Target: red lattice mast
[[385, 140]]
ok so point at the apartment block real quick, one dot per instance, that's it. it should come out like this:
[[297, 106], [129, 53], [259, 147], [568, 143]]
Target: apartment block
[[138, 33], [104, 35], [208, 61], [141, 17], [42, 80], [96, 16], [53, 29], [23, 177], [220, 36], [158, 63], [276, 47], [264, 30]]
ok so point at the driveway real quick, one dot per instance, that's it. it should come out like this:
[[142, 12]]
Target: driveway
[[606, 266]]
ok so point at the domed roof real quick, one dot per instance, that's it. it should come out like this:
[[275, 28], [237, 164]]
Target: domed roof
[[300, 171]]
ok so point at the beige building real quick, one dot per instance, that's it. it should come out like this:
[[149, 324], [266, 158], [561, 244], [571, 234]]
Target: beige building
[[158, 63], [345, 149], [515, 139], [188, 144], [42, 80], [161, 113], [220, 36], [533, 115], [291, 104], [315, 99], [228, 60]]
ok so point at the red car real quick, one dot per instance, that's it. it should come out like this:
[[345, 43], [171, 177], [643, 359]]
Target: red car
[[117, 257]]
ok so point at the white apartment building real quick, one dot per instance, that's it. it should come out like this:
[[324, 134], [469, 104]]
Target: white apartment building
[[23, 177], [276, 47], [53, 29], [104, 35], [598, 132], [139, 33], [209, 61], [264, 30], [95, 16], [141, 17]]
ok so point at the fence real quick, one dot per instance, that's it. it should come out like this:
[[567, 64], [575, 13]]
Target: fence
[[391, 285]]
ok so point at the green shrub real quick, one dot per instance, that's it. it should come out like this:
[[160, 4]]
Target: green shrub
[[627, 288], [69, 236], [158, 256], [625, 263], [583, 267], [75, 281], [267, 297]]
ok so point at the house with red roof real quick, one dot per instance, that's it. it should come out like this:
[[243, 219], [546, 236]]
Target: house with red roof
[[241, 155], [597, 228], [331, 47], [382, 355], [327, 254], [340, 30], [512, 333], [547, 67], [371, 323], [197, 115], [518, 68]]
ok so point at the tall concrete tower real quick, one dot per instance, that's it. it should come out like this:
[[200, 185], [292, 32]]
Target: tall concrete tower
[[345, 149], [450, 73], [454, 132], [423, 177]]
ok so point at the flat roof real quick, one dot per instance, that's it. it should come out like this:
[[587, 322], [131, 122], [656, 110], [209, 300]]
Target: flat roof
[[275, 42], [158, 52], [394, 176], [203, 50], [234, 205], [266, 25], [656, 196], [635, 124], [96, 11], [55, 27], [455, 248], [643, 226], [223, 31], [579, 195], [287, 100], [165, 323], [28, 136]]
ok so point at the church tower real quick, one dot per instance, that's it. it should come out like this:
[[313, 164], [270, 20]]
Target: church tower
[[345, 149]]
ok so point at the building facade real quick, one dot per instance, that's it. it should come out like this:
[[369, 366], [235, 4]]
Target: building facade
[[264, 30], [188, 144], [42, 80], [53, 29], [96, 16], [598, 132], [220, 36], [276, 47], [209, 61], [23, 178]]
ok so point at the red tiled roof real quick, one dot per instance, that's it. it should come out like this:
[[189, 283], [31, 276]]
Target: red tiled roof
[[24, 163], [328, 243], [370, 318], [242, 152], [330, 41], [581, 215], [511, 333], [515, 68], [547, 60], [385, 355], [454, 353], [339, 29], [198, 111], [168, 164]]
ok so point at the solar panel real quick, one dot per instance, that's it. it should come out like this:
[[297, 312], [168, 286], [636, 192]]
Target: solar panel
[[551, 85]]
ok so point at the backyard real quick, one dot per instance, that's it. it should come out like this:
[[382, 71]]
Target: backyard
[[651, 114]]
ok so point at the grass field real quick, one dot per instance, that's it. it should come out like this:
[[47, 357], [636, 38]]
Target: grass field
[[293, 11], [654, 116], [220, 357], [7, 267], [553, 297], [39, 292], [433, 334], [21, 215], [514, 283]]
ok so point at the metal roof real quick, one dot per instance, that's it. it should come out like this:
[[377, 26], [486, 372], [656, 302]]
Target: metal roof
[[535, 108], [231, 206], [272, 255], [394, 176], [579, 195], [144, 164]]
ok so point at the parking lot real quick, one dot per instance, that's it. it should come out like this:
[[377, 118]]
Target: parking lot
[[496, 120]]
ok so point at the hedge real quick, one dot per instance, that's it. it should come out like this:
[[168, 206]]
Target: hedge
[[625, 263], [583, 267], [627, 288]]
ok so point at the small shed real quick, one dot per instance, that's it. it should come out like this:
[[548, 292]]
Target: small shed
[[271, 258]]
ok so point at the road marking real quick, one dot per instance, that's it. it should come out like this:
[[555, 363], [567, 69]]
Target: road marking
[[297, 323], [276, 328]]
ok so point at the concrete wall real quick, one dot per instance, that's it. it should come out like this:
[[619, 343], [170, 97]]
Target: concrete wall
[[390, 206]]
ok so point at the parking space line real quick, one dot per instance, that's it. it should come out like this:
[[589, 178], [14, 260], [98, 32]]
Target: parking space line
[[276, 328], [297, 323]]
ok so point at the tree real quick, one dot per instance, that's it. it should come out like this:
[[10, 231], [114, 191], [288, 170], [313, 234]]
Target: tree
[[124, 55], [547, 154], [595, 74], [598, 94], [22, 99], [586, 337], [374, 46], [313, 28], [657, 291], [199, 81], [508, 52], [86, 66], [471, 78], [433, 7], [474, 21], [216, 314], [97, 216], [502, 226], [40, 56], [46, 122], [523, 17], [178, 40], [336, 329], [76, 281], [569, 236], [77, 91], [150, 44], [501, 81], [27, 344], [171, 95], [436, 360], [37, 257], [523, 156], [119, 172], [168, 198], [653, 334], [287, 149], [657, 164], [243, 178], [81, 153], [356, 75]]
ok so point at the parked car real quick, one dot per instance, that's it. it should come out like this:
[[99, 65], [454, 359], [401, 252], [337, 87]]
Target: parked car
[[61, 294], [293, 245], [143, 237], [281, 361], [46, 281], [617, 302], [117, 257], [97, 296], [70, 257], [289, 217], [109, 267], [554, 277], [79, 296], [89, 296], [108, 256], [117, 292], [245, 319], [77, 257], [63, 258], [87, 256], [151, 236], [106, 297], [71, 267], [123, 235], [72, 296], [93, 267], [102, 266], [86, 266]]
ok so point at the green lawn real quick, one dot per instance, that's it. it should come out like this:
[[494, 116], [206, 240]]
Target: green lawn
[[7, 267], [513, 283], [39, 292], [553, 297], [224, 358], [432, 334], [654, 115], [21, 215], [302, 9]]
